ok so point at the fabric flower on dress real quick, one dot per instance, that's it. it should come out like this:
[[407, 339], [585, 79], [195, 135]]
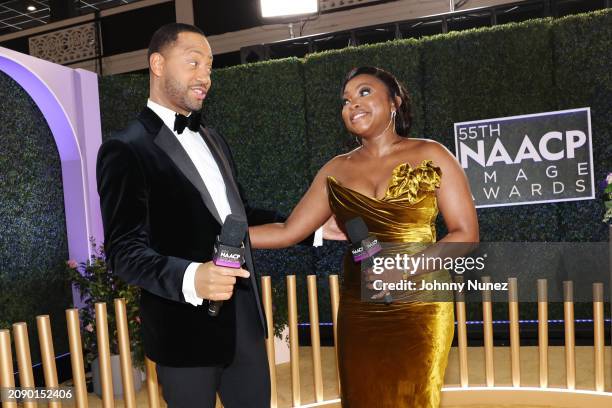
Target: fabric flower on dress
[[406, 181]]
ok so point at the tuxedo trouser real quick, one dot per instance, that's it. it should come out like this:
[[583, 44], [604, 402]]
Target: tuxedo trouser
[[244, 383]]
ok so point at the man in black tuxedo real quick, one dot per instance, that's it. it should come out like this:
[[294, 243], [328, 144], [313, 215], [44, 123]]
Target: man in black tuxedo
[[166, 185]]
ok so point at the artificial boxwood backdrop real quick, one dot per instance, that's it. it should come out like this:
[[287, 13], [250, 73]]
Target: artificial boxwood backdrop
[[282, 120], [33, 242]]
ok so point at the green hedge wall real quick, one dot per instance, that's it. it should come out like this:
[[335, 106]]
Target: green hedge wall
[[487, 73], [282, 120], [259, 109], [583, 77], [33, 244], [323, 77], [122, 97]]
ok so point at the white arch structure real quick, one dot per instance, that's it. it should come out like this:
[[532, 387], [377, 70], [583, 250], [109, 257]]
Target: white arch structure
[[69, 101]]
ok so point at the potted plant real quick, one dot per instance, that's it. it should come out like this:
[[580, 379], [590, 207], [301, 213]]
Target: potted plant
[[607, 196], [96, 282]]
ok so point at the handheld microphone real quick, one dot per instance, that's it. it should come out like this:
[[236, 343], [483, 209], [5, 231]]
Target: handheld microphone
[[364, 246], [228, 251]]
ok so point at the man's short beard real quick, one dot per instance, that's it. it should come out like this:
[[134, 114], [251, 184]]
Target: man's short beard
[[179, 93]]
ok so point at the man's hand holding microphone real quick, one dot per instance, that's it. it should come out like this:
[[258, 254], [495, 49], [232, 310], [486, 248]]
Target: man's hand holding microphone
[[215, 280], [216, 283]]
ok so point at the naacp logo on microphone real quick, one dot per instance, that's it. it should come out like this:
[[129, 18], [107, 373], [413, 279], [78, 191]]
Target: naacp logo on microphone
[[227, 256], [528, 159], [368, 248]]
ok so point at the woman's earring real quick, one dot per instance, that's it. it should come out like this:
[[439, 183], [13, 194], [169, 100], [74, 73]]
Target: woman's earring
[[393, 113]]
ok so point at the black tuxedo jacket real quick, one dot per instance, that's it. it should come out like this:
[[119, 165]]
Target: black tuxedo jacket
[[158, 218]]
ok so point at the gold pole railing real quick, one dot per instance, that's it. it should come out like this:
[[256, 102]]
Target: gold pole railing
[[334, 298], [24, 360], [125, 355], [315, 339], [570, 343], [45, 338], [294, 343], [7, 378], [266, 295], [543, 331], [462, 336], [76, 358], [487, 318], [152, 386], [515, 338], [108, 399], [26, 378], [599, 342]]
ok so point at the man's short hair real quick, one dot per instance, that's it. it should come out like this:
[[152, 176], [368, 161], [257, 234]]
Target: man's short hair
[[167, 34]]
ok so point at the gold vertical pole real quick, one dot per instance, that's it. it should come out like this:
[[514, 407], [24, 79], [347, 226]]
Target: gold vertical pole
[[487, 318], [45, 338], [7, 379], [152, 386], [76, 358], [543, 331], [266, 295], [106, 377], [334, 296], [294, 343], [24, 360], [610, 268], [462, 335], [315, 338], [570, 343], [515, 338], [125, 355], [598, 323]]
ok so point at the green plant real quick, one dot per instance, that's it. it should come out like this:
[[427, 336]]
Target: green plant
[[608, 199], [96, 283]]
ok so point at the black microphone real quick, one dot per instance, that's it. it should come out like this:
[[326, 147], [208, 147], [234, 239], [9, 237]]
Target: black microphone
[[228, 251], [364, 246]]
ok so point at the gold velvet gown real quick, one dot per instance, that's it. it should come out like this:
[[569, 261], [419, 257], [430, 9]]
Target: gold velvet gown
[[392, 356]]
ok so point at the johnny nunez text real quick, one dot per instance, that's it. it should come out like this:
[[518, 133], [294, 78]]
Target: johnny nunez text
[[404, 285]]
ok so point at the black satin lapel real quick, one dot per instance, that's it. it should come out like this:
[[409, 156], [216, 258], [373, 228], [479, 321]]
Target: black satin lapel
[[166, 140], [231, 187]]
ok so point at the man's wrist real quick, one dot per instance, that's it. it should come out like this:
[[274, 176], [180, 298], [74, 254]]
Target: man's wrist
[[189, 290]]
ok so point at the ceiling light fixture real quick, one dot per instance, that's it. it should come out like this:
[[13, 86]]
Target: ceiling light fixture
[[31, 8], [283, 11], [288, 9]]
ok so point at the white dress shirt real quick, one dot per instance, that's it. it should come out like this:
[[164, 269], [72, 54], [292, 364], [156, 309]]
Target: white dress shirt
[[208, 169]]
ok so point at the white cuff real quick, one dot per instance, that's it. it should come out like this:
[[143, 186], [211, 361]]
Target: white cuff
[[189, 291], [318, 238]]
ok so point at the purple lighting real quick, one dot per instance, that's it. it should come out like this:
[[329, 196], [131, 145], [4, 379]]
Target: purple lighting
[[69, 101]]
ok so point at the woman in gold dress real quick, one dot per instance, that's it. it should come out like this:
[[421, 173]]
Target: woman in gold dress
[[390, 355]]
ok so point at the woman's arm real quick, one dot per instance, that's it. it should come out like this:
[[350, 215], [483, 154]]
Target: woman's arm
[[455, 198], [457, 207], [309, 214]]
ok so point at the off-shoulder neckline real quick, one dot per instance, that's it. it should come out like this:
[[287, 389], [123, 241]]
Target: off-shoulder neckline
[[424, 163]]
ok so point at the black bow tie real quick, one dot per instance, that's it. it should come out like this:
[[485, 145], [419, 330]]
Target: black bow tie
[[192, 122]]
